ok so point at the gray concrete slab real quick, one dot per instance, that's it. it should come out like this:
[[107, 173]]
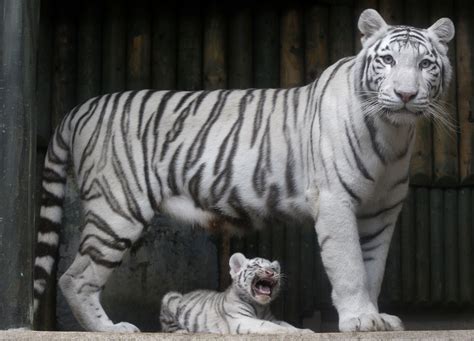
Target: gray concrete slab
[[406, 335]]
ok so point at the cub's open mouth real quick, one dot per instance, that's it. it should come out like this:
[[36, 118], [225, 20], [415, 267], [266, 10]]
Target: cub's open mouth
[[263, 286]]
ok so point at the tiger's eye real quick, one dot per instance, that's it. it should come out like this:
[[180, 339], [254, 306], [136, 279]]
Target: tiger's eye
[[388, 59], [425, 63]]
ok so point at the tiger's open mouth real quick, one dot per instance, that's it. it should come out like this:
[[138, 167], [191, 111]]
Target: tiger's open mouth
[[263, 286]]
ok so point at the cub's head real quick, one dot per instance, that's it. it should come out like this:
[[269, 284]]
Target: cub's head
[[255, 279], [404, 71]]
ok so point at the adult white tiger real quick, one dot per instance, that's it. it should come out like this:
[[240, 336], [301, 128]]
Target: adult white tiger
[[336, 151]]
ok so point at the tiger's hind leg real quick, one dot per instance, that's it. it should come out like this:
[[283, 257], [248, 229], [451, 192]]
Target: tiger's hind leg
[[105, 239]]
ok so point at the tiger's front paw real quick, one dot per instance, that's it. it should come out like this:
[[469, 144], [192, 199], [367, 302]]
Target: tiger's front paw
[[371, 322], [123, 327]]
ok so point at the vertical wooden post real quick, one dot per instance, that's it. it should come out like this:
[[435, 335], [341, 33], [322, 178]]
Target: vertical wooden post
[[240, 63], [391, 11], [215, 70], [240, 48], [291, 75], [164, 46], [113, 46], [45, 66], [465, 245], [316, 35], [138, 45], [215, 77], [341, 32], [422, 258], [190, 48], [408, 239], [445, 142], [266, 66], [465, 90], [451, 263], [89, 51], [421, 168], [437, 245], [65, 61], [18, 38]]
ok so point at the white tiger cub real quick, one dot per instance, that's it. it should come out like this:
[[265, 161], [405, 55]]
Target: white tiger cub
[[242, 309], [335, 152]]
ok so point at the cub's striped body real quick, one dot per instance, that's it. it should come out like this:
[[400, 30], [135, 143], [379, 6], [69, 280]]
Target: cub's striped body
[[336, 151], [243, 308]]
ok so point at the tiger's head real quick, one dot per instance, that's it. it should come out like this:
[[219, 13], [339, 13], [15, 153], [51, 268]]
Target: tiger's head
[[404, 71], [255, 280]]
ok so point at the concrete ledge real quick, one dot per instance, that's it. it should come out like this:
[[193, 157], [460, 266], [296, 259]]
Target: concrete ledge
[[406, 335]]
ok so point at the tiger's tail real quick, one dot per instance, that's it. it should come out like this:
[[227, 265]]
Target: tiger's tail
[[169, 312], [52, 198]]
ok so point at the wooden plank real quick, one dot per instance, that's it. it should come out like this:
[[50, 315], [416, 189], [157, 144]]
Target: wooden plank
[[114, 46], [189, 48], [89, 50], [45, 64], [266, 75], [451, 246], [215, 68], [392, 279], [341, 39], [445, 142], [215, 77], [392, 12], [138, 45], [421, 167], [437, 245], [422, 258], [164, 46], [408, 238], [267, 47], [18, 45], [240, 48], [65, 66], [359, 7], [465, 245], [465, 90], [316, 41], [291, 75], [291, 55]]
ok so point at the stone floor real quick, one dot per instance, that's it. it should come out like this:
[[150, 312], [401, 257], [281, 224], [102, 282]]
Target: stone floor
[[406, 335]]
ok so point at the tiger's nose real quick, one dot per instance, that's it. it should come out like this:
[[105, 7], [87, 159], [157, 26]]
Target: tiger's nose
[[269, 273], [406, 96]]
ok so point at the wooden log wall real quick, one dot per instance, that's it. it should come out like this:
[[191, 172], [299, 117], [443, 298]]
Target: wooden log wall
[[93, 47]]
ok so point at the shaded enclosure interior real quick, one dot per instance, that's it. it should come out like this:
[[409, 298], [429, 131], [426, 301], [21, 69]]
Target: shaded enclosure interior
[[87, 48]]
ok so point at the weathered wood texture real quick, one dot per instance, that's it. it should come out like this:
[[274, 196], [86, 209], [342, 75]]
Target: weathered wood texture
[[91, 47], [18, 52]]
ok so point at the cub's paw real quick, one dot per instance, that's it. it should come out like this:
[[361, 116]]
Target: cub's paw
[[305, 331], [123, 327], [371, 322]]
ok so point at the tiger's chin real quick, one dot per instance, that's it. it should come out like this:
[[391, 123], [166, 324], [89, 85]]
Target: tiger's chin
[[403, 116]]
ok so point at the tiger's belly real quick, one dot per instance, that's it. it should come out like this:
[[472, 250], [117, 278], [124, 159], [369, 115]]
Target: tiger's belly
[[240, 214]]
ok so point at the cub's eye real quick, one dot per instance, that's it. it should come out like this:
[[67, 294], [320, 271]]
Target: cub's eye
[[388, 59], [425, 63]]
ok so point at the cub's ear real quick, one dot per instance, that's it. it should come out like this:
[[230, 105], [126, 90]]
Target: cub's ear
[[370, 22], [443, 29], [276, 265], [236, 262]]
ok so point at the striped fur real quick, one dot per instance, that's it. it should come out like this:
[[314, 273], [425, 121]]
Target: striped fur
[[238, 310], [335, 151]]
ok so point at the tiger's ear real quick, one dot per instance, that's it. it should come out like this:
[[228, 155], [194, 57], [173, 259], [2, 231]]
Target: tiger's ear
[[443, 29], [370, 22], [276, 265], [236, 262]]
